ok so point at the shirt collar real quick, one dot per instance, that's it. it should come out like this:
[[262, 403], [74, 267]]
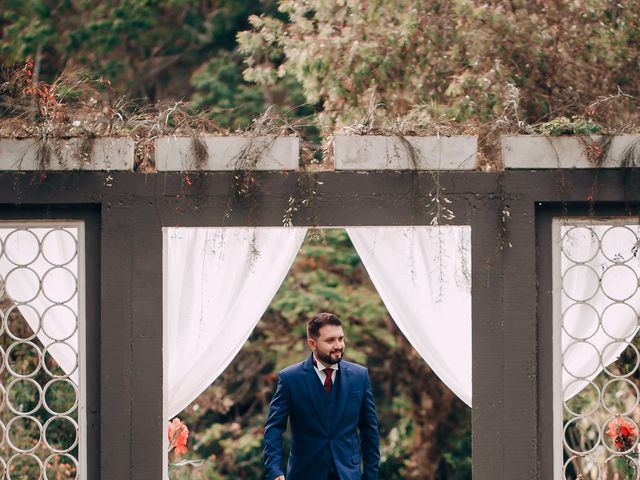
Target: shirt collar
[[317, 365]]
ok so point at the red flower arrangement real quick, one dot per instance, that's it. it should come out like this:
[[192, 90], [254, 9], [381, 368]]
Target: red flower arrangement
[[178, 435], [623, 433]]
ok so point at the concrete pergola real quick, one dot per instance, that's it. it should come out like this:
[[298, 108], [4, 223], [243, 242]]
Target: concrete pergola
[[376, 181]]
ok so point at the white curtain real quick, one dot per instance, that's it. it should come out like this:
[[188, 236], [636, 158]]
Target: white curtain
[[599, 299], [39, 269], [218, 283], [423, 275]]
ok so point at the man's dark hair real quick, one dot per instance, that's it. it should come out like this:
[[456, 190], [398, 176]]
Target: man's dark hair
[[320, 320]]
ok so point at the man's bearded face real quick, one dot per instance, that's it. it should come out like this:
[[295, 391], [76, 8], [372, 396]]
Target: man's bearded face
[[329, 346]]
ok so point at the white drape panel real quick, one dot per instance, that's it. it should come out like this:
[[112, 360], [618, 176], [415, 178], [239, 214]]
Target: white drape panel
[[600, 300], [423, 275], [218, 283], [45, 287]]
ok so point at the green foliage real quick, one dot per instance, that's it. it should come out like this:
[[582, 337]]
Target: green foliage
[[460, 59], [148, 49], [564, 126]]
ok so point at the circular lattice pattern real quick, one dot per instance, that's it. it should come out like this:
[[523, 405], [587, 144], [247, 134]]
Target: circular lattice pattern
[[599, 299], [580, 244], [24, 433], [60, 396], [23, 359], [51, 250], [16, 326], [24, 462], [61, 433], [39, 329], [619, 244], [21, 247], [611, 324], [620, 405], [61, 466], [582, 435], [22, 284], [24, 396]]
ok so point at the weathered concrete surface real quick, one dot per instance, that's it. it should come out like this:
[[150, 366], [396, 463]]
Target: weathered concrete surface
[[176, 154], [376, 152], [100, 153], [566, 151]]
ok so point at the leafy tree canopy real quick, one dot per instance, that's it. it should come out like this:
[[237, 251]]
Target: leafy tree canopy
[[458, 59]]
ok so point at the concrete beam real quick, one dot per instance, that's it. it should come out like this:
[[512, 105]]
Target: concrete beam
[[100, 153], [376, 152], [567, 151], [215, 153]]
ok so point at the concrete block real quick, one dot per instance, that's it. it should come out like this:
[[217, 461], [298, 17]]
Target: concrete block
[[377, 152], [228, 153], [100, 153], [566, 151]]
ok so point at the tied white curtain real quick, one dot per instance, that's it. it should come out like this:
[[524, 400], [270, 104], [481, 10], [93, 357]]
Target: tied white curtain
[[218, 283], [423, 275], [599, 301], [39, 269]]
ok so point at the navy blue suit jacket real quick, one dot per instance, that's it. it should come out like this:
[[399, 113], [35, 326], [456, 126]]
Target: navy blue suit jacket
[[316, 439]]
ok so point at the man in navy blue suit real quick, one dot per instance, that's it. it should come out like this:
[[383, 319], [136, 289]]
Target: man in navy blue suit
[[327, 401]]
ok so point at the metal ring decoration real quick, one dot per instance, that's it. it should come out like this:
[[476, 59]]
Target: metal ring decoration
[[44, 363], [8, 433], [628, 458], [596, 443], [44, 290], [597, 323], [46, 237], [12, 459], [3, 361], [605, 253], [566, 239], [8, 356], [604, 323], [29, 250], [577, 344], [66, 455], [3, 393], [8, 395], [7, 283], [588, 268], [19, 309], [43, 322], [75, 427], [618, 266], [590, 412], [633, 387], [48, 408], [633, 370], [3, 434], [595, 465], [599, 282], [19, 231]]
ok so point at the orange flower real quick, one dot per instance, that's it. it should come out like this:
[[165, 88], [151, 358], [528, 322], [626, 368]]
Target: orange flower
[[623, 433], [178, 434]]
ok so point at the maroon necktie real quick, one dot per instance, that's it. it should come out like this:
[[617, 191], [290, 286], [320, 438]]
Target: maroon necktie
[[327, 380]]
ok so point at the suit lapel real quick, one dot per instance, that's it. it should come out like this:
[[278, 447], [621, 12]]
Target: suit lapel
[[313, 387], [343, 394]]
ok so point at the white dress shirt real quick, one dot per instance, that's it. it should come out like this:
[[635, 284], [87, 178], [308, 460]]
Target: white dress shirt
[[319, 368]]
